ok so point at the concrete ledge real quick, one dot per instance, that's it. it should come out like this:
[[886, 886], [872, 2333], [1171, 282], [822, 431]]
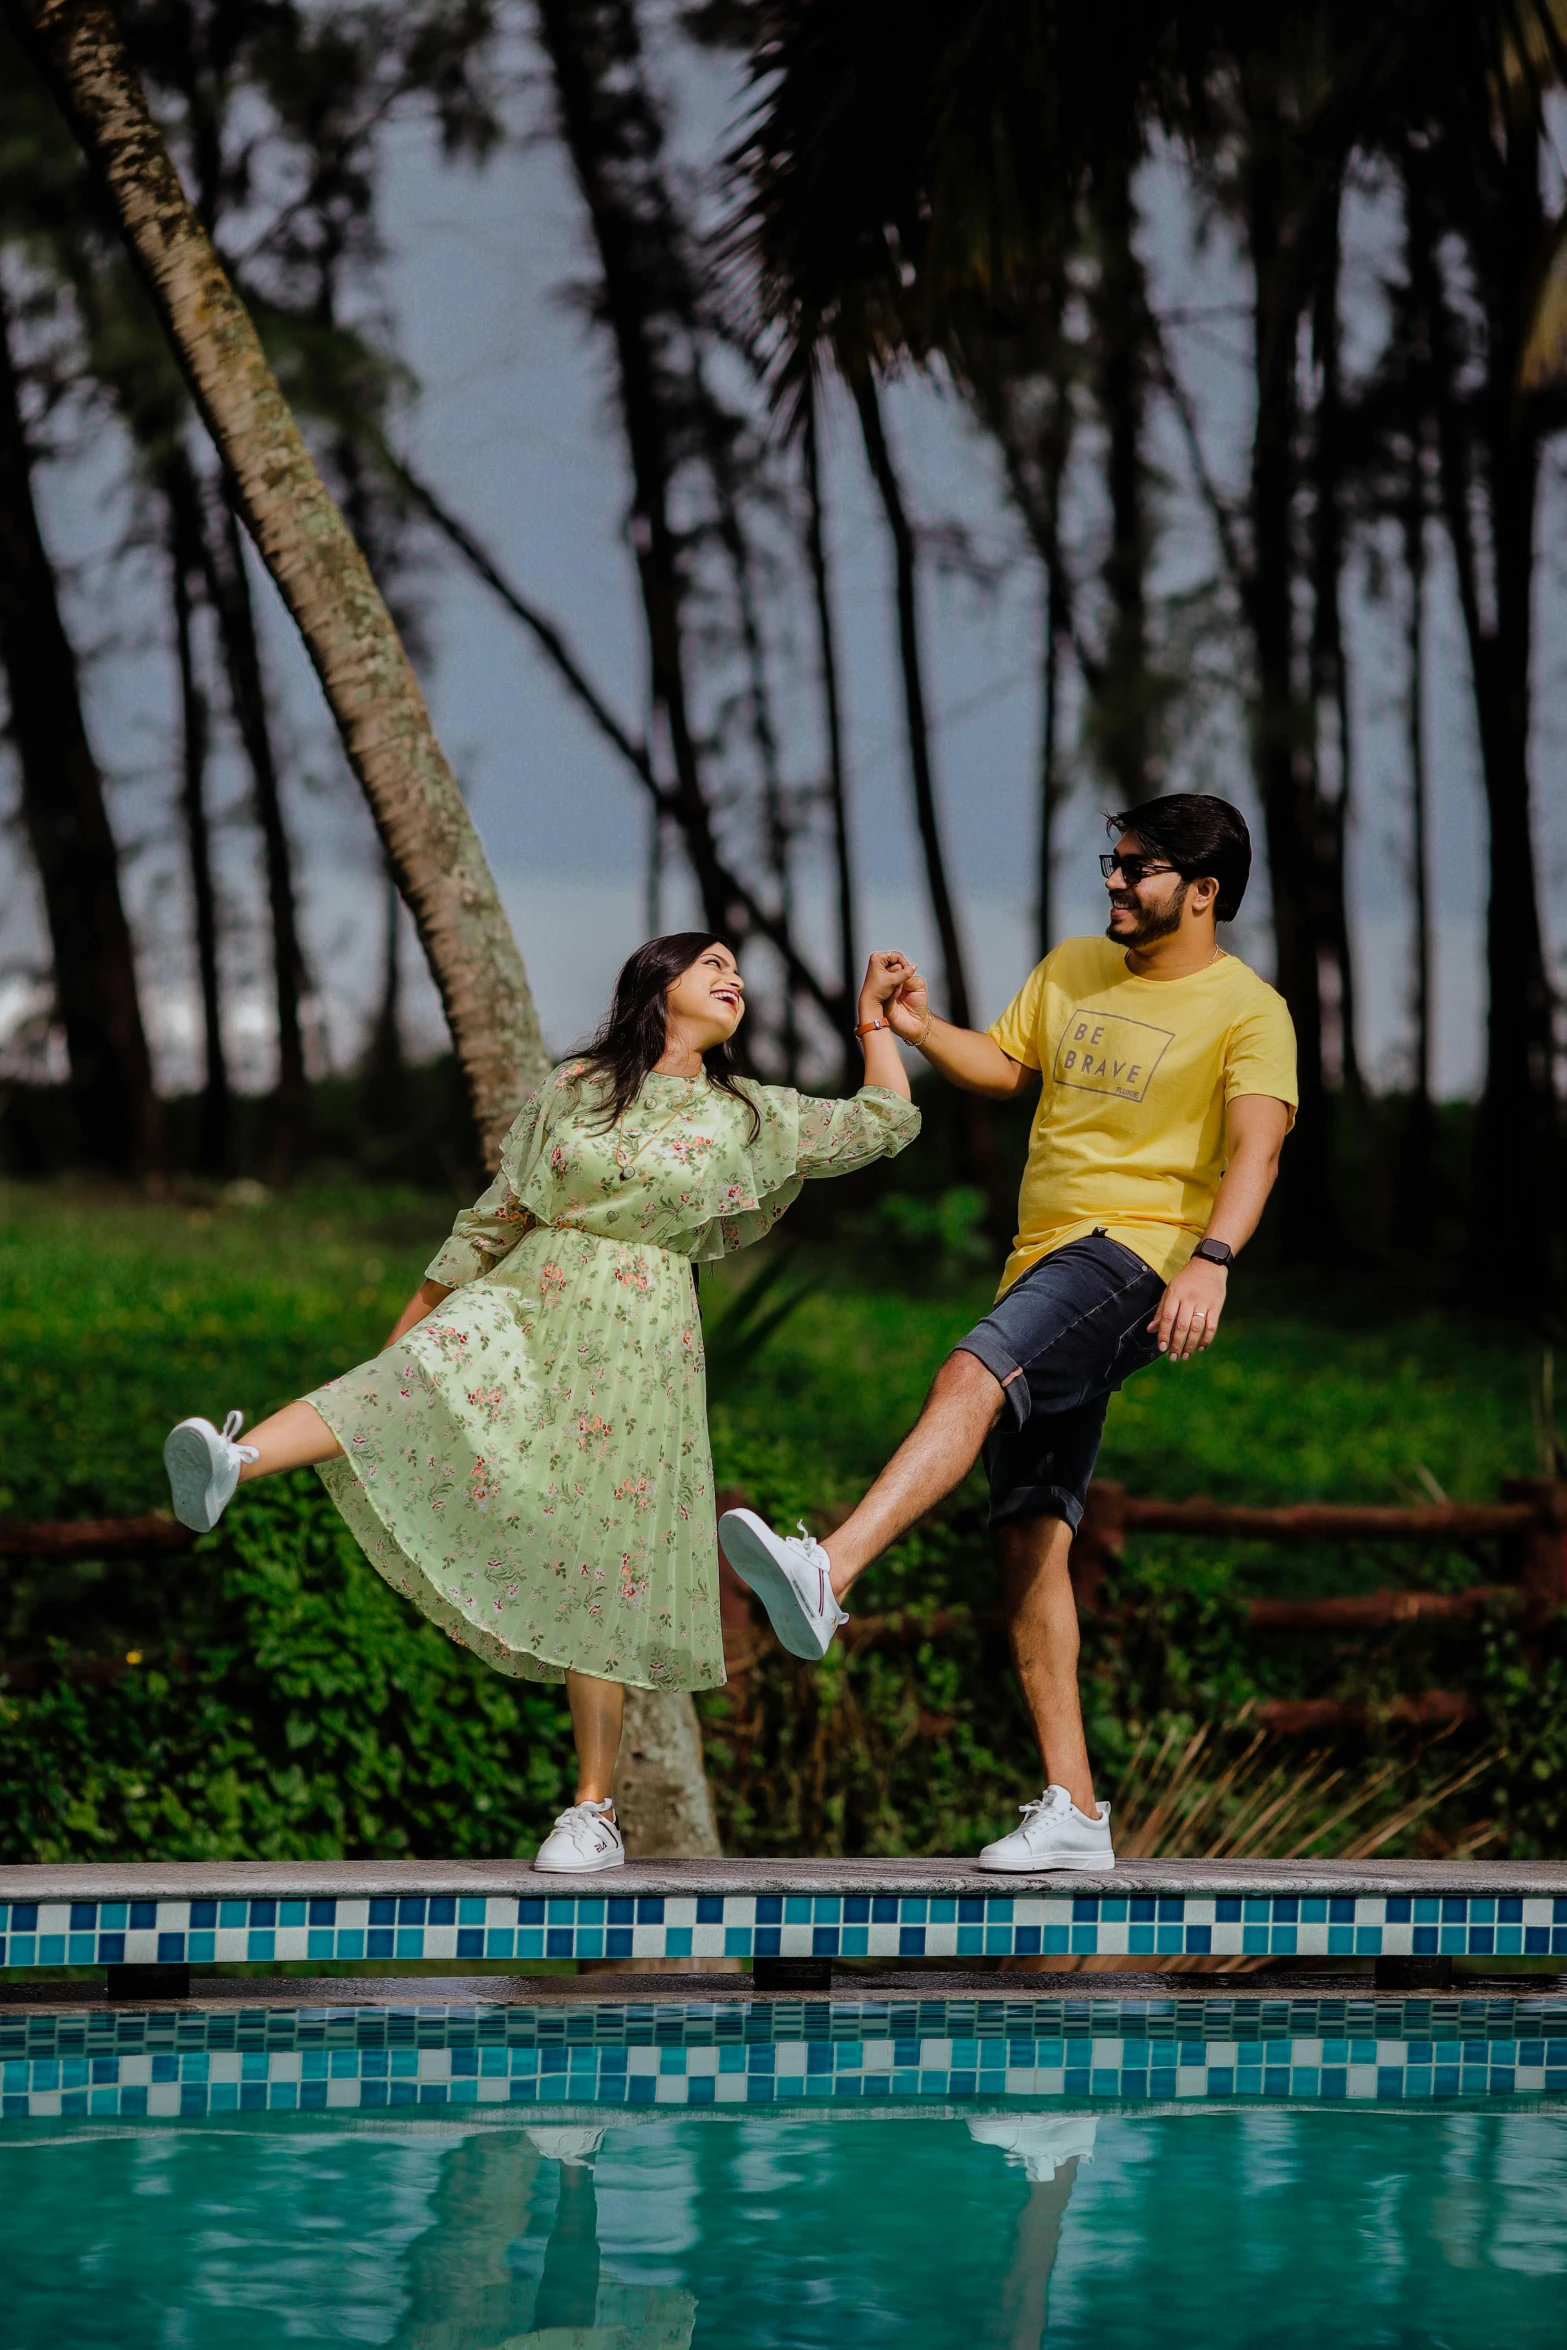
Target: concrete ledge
[[765, 1912], [81, 1881]]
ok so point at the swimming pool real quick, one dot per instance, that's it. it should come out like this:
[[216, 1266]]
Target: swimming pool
[[920, 2172]]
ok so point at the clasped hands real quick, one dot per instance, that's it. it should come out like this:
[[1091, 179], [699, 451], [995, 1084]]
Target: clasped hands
[[892, 990]]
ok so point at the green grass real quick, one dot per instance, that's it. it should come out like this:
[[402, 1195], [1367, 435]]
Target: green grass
[[121, 1315]]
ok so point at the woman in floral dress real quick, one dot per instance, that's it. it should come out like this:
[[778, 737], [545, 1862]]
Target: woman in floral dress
[[527, 1460]]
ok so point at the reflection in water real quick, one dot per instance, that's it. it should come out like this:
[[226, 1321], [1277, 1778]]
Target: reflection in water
[[470, 2280], [1048, 2148], [781, 2232]]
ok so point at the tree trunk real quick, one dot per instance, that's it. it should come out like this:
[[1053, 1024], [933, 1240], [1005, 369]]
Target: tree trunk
[[614, 137], [384, 1091], [67, 823], [1488, 461], [1330, 668], [370, 687], [182, 494], [230, 587], [662, 1799], [884, 474], [1422, 1125], [576, 34], [1051, 794], [832, 706], [1280, 740], [1122, 700]]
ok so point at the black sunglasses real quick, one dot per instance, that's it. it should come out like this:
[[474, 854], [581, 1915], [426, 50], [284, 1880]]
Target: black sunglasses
[[1133, 869]]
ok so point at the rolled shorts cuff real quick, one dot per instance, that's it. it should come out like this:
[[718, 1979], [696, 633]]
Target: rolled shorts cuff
[[984, 1344], [1037, 1501]]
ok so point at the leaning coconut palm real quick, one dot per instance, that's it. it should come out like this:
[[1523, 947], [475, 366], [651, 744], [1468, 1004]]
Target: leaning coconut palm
[[358, 655], [351, 637]]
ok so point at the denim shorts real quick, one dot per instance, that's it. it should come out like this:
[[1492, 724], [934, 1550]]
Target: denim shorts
[[1061, 1341]]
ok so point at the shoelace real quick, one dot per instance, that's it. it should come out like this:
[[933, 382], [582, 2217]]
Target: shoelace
[[1046, 1806], [816, 1557], [585, 1815], [230, 1430]]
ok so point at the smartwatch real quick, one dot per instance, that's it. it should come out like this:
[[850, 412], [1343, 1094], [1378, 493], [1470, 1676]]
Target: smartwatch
[[1214, 1252]]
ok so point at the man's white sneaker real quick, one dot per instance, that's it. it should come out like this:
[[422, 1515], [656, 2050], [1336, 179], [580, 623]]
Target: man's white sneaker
[[203, 1463], [584, 1838], [575, 2146], [1054, 1835], [790, 1576]]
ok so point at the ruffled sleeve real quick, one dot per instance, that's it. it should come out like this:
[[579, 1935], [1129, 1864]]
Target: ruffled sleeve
[[835, 1137], [492, 1227], [801, 1136]]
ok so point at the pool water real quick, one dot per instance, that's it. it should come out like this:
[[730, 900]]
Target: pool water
[[594, 2229]]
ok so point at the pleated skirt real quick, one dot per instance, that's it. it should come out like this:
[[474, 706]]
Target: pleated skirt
[[530, 1466]]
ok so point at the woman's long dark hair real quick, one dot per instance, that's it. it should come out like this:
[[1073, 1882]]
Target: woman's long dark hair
[[634, 1031]]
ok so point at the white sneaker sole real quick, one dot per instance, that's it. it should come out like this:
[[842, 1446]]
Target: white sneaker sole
[[615, 1859], [747, 1544], [193, 1472], [1089, 1863]]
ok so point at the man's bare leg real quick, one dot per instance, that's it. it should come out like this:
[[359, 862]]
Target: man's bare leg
[[1041, 1613], [294, 1438], [962, 1407]]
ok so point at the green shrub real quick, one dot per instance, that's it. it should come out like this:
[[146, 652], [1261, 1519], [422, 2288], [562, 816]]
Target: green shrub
[[314, 1712], [319, 1718]]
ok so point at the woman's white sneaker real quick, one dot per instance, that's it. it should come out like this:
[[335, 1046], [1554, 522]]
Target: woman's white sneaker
[[1054, 1835], [204, 1463], [791, 1577], [584, 1838]]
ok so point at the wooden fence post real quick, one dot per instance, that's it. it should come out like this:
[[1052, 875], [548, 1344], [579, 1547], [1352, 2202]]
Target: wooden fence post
[[1098, 1544], [1543, 1559]]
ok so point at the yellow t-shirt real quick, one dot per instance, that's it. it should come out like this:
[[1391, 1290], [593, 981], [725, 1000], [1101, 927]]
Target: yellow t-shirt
[[1136, 1075]]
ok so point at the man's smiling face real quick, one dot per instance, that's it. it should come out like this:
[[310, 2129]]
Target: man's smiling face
[[1148, 907]]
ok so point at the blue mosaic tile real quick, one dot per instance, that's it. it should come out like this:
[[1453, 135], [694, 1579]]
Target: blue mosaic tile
[[765, 1925], [170, 2064]]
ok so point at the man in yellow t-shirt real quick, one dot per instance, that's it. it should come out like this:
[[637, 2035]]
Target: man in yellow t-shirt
[[1166, 1074]]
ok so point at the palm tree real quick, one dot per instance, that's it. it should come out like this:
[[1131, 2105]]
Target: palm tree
[[352, 640], [65, 815]]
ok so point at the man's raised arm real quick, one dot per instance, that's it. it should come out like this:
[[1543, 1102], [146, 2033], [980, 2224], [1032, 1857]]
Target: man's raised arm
[[966, 1057]]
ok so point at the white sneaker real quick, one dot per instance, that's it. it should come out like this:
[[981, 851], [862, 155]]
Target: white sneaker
[[204, 1464], [1054, 1835], [574, 2145], [584, 1838], [1039, 2142], [790, 1576]]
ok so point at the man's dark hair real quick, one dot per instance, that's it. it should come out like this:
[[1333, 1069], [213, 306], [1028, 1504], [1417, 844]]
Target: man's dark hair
[[1199, 836]]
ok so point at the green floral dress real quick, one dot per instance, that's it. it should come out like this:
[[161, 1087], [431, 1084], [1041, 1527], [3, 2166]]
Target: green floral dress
[[530, 1463]]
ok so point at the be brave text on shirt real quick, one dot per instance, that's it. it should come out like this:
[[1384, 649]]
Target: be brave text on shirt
[[1104, 1052]]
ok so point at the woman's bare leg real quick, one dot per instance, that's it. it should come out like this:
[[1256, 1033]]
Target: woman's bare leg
[[598, 1708], [294, 1438]]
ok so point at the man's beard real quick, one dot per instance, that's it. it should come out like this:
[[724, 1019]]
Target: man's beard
[[1152, 922]]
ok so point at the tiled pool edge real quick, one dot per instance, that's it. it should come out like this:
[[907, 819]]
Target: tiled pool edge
[[610, 1924], [171, 2064]]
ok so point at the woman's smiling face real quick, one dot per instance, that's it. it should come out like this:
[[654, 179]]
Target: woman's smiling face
[[707, 1002]]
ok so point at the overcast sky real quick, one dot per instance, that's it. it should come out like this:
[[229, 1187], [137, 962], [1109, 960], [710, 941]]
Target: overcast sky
[[514, 426]]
